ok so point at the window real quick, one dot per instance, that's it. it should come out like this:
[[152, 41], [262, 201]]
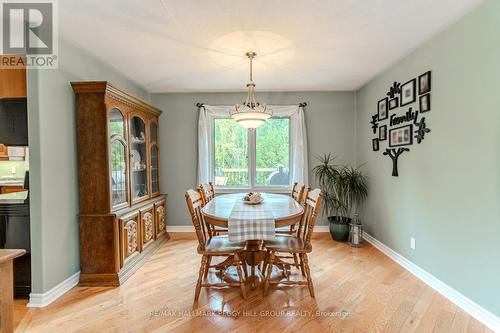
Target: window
[[246, 158], [230, 153]]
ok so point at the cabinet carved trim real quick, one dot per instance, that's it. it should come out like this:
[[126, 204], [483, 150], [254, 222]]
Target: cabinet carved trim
[[161, 218], [113, 92], [148, 227], [132, 236]]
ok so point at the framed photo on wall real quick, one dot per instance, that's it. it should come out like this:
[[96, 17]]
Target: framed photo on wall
[[382, 133], [375, 145], [382, 109], [401, 136], [408, 91], [424, 83], [393, 103], [425, 102]]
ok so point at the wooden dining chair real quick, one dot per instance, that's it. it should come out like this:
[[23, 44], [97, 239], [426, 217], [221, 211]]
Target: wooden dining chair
[[213, 246], [299, 244], [297, 194], [207, 192]]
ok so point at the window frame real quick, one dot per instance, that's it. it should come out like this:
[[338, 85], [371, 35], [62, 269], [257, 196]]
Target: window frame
[[252, 161]]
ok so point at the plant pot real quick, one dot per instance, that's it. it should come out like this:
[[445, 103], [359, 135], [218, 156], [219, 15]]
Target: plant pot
[[339, 228]]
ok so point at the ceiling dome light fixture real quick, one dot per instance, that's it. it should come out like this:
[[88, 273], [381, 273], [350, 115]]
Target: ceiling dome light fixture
[[251, 114]]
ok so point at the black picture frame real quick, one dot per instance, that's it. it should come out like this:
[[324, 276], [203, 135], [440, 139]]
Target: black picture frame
[[375, 145], [382, 133], [425, 106], [380, 104], [405, 100], [424, 83], [393, 103], [406, 132]]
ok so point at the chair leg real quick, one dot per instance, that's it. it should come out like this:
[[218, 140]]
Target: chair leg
[[302, 269], [240, 275], [200, 277], [245, 269], [264, 264], [207, 267], [295, 260], [269, 271], [252, 273], [308, 274]]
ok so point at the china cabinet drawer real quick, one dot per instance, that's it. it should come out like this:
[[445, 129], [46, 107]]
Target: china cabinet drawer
[[130, 238], [160, 218], [147, 226]]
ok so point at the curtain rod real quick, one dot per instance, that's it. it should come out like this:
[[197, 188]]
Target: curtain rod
[[200, 105]]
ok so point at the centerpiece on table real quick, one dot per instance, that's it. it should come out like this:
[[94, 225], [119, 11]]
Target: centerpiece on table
[[252, 198], [343, 187]]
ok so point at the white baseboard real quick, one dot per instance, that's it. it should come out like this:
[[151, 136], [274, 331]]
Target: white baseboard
[[180, 228], [190, 228], [472, 308], [42, 300]]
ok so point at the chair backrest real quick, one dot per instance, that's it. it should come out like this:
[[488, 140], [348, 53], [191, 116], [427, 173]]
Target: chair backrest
[[195, 203], [312, 204], [298, 192], [207, 192]]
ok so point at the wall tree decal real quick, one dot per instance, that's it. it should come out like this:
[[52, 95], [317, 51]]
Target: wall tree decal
[[402, 124], [394, 90], [374, 123], [422, 129], [394, 155]]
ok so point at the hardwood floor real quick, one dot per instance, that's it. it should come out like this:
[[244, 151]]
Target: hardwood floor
[[376, 293]]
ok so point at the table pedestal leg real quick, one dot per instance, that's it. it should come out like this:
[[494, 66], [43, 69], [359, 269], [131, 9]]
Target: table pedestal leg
[[254, 255], [252, 282]]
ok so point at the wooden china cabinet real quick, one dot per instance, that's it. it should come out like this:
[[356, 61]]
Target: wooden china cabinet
[[122, 211]]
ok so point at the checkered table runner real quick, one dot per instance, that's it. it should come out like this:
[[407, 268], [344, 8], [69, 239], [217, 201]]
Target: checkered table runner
[[250, 222]]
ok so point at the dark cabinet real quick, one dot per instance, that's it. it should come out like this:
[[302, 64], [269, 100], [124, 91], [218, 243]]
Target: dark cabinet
[[14, 122], [15, 234]]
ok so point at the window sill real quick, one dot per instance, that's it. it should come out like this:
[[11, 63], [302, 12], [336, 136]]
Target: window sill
[[280, 190]]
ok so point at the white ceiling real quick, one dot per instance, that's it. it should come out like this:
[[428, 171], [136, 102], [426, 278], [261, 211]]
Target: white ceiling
[[199, 45]]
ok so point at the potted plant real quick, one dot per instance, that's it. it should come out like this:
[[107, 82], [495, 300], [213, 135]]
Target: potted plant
[[343, 187]]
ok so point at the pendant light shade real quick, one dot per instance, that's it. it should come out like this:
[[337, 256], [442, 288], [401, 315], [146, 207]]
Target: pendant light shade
[[251, 114]]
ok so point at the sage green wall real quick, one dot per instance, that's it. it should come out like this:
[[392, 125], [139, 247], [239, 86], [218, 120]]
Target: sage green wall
[[53, 162], [448, 193], [329, 122]]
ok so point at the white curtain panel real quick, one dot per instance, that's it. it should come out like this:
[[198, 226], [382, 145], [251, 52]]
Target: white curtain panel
[[205, 140], [298, 139]]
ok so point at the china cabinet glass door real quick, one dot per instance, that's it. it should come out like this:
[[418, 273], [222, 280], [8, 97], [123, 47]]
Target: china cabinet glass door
[[154, 156], [138, 158], [118, 159]]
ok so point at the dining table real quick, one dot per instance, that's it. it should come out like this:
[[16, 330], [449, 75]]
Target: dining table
[[284, 209]]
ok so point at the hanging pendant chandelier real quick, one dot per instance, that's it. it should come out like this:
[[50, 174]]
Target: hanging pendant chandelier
[[251, 114]]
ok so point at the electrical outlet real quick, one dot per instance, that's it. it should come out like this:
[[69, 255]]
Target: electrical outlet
[[412, 243]]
